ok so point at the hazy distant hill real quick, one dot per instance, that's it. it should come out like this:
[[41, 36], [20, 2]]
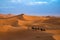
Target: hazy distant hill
[[6, 15]]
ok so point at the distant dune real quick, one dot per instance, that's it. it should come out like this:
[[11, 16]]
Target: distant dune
[[6, 15]]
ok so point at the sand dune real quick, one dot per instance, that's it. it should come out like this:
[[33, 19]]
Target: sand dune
[[56, 34], [26, 35], [17, 23]]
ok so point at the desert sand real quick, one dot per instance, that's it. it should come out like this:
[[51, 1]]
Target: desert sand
[[56, 33], [19, 27]]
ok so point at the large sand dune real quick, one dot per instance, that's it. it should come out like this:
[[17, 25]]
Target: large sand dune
[[16, 24]]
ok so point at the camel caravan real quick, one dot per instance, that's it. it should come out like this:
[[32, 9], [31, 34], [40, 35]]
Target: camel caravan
[[37, 28]]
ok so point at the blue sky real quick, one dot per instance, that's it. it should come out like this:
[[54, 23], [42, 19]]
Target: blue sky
[[31, 7]]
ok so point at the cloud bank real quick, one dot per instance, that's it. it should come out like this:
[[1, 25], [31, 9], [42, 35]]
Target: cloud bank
[[29, 2], [37, 3]]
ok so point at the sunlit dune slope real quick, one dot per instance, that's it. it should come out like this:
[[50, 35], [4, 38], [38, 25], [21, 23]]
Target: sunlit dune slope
[[23, 20], [33, 18]]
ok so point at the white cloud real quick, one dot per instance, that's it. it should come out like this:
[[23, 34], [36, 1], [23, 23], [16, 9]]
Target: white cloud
[[32, 2], [29, 2], [37, 3]]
